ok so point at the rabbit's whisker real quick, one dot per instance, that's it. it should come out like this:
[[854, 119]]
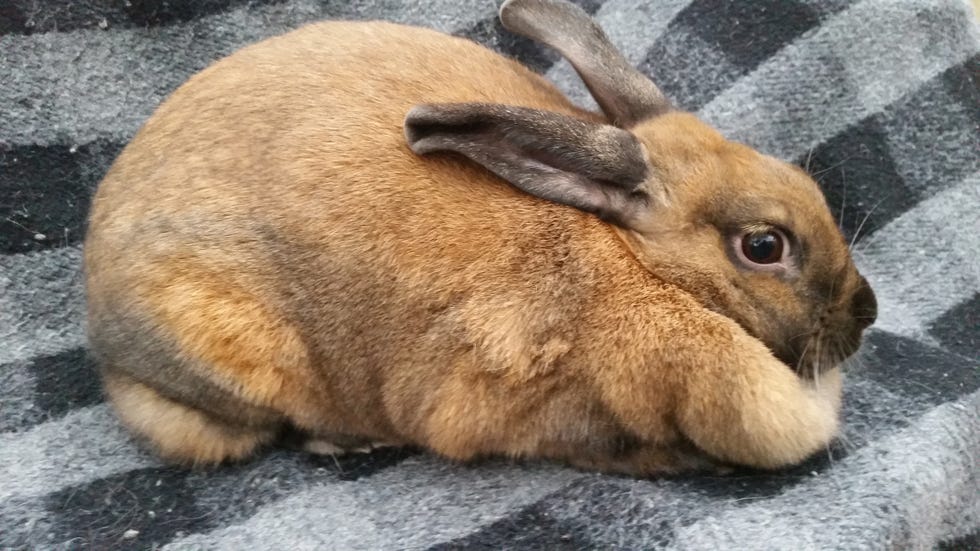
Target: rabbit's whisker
[[832, 167], [857, 232], [846, 442], [809, 156], [808, 333], [843, 201], [817, 360], [799, 362]]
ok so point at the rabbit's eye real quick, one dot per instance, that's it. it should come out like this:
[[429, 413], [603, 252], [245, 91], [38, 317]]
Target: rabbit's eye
[[764, 247]]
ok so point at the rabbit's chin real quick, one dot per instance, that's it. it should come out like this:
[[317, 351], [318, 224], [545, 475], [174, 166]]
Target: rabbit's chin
[[823, 353], [811, 367], [827, 386]]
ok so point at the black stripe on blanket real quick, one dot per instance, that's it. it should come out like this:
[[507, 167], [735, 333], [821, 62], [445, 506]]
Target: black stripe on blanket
[[160, 504], [709, 45], [852, 164], [45, 192], [966, 543], [959, 328], [533, 527], [912, 148], [28, 17], [65, 381], [571, 519], [156, 503], [47, 387], [924, 374], [749, 32], [933, 139]]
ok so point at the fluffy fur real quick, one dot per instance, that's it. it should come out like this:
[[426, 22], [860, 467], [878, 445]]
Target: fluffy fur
[[269, 252]]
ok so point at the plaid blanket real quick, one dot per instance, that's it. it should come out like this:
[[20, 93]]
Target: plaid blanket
[[877, 98]]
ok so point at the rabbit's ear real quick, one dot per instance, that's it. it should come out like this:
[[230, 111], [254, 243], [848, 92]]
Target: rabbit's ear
[[597, 168], [625, 95]]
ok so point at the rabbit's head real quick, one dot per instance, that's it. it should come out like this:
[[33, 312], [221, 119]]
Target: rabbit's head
[[748, 235]]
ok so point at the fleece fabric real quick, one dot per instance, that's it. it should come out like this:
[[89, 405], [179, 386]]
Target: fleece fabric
[[878, 99]]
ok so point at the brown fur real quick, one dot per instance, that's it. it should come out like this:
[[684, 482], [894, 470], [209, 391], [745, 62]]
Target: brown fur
[[268, 236]]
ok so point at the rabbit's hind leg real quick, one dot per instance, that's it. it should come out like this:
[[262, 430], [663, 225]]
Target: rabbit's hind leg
[[178, 432], [201, 366]]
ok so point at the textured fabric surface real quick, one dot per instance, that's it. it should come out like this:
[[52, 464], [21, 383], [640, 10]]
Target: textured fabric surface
[[877, 98]]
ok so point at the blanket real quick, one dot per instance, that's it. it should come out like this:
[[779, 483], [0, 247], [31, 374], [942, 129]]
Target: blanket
[[878, 99]]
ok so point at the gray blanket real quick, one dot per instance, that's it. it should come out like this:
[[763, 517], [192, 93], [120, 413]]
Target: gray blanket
[[877, 98]]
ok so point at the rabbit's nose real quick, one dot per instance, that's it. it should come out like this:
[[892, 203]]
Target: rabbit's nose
[[864, 308]]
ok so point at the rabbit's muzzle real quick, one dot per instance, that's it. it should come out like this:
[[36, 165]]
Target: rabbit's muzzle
[[864, 306], [839, 332]]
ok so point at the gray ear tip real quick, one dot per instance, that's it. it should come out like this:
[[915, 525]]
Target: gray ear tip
[[507, 8], [507, 15], [418, 114], [515, 15], [417, 120], [413, 119], [418, 129]]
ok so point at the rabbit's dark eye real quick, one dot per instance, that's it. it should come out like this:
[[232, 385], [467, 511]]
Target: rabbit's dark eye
[[763, 247]]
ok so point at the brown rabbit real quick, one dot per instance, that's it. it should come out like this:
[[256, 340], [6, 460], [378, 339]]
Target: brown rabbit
[[499, 273]]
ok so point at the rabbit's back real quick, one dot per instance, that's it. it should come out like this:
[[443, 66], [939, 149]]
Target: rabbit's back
[[270, 220], [300, 108], [291, 149]]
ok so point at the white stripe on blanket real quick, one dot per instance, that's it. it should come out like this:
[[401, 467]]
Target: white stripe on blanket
[[800, 97], [422, 502], [865, 498], [926, 261], [85, 445], [42, 303]]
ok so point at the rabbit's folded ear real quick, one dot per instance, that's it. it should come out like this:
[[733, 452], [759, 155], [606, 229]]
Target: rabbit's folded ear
[[597, 168]]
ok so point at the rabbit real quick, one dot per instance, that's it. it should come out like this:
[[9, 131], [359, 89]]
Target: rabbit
[[373, 234]]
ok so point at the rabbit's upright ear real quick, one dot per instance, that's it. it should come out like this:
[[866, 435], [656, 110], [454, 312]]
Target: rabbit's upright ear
[[625, 95], [597, 168]]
